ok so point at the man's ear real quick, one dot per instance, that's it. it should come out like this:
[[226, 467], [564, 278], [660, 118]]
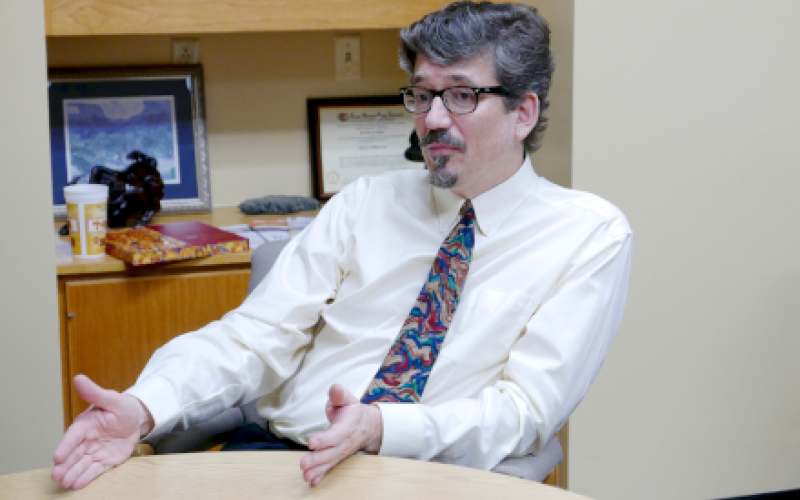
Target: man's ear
[[527, 115]]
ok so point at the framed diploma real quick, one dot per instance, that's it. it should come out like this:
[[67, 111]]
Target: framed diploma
[[355, 136]]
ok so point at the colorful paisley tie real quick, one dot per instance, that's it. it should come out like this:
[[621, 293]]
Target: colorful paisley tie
[[404, 372]]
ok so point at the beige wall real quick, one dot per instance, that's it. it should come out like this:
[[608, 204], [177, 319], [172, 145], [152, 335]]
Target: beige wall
[[554, 159], [256, 90], [686, 116], [30, 372]]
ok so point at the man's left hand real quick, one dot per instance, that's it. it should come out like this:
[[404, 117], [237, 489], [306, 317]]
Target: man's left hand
[[354, 427]]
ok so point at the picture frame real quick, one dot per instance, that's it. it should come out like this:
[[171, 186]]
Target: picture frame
[[98, 115], [354, 136]]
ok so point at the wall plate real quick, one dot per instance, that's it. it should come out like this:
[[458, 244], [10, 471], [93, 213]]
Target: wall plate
[[348, 57], [186, 51]]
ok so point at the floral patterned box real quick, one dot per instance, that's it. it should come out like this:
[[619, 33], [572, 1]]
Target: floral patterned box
[[171, 242]]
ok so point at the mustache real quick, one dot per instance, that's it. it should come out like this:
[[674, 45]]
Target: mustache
[[442, 137]]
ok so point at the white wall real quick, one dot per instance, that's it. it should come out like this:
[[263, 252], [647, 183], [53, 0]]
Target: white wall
[[30, 371], [687, 116]]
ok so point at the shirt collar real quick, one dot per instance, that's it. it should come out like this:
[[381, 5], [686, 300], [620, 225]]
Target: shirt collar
[[492, 207]]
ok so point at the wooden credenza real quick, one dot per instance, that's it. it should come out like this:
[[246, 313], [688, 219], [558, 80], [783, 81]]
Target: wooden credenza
[[114, 316]]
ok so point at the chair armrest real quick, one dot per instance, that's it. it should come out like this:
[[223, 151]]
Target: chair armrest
[[142, 450], [533, 467], [202, 436]]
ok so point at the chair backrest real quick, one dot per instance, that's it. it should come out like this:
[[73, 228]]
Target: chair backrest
[[262, 260]]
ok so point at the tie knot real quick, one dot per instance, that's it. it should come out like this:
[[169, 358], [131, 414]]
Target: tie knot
[[466, 211]]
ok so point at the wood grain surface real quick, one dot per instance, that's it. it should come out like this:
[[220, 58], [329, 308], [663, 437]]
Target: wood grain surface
[[276, 476], [221, 216], [140, 17], [115, 325]]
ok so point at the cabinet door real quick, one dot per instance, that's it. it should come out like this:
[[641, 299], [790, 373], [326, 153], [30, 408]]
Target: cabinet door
[[115, 325]]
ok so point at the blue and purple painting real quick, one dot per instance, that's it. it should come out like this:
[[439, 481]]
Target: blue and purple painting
[[102, 131]]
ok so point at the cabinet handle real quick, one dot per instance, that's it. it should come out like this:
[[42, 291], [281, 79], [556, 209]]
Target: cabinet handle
[[69, 315]]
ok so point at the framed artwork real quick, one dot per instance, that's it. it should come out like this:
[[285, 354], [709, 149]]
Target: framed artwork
[[99, 115], [354, 136]]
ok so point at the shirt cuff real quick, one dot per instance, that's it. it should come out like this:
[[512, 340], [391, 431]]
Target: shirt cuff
[[403, 434], [157, 396]]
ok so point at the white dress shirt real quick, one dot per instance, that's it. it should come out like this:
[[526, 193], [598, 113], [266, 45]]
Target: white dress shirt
[[543, 299]]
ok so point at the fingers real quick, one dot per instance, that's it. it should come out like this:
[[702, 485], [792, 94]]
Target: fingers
[[329, 411], [93, 393], [75, 471], [339, 396], [318, 458], [94, 470], [70, 441], [316, 464], [61, 469], [335, 435], [315, 475], [340, 440]]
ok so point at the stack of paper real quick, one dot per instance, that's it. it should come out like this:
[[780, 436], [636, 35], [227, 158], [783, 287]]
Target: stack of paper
[[297, 224], [261, 230], [271, 230]]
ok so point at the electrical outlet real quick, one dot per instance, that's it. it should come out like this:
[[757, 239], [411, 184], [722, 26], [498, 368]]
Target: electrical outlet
[[186, 51], [348, 57]]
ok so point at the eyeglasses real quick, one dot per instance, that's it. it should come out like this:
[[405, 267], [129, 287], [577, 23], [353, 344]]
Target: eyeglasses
[[458, 100]]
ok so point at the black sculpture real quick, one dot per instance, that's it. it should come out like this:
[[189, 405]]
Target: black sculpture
[[135, 192], [414, 152]]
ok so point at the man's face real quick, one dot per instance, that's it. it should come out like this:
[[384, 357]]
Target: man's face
[[468, 153]]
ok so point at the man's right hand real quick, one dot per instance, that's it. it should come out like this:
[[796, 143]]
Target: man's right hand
[[100, 438]]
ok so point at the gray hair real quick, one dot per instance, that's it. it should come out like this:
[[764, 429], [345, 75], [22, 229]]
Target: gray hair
[[515, 35]]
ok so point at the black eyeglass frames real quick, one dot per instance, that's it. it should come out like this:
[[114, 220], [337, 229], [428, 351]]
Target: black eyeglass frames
[[458, 100]]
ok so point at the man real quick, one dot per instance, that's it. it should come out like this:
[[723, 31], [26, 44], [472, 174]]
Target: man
[[515, 317]]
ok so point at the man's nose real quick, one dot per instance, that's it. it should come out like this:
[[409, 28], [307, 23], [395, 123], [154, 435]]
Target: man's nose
[[438, 116]]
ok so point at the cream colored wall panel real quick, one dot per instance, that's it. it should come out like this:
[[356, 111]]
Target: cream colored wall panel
[[30, 381], [686, 116]]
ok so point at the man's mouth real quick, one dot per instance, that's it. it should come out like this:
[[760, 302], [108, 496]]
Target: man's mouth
[[442, 149], [441, 142]]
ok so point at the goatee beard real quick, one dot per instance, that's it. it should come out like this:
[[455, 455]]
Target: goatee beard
[[437, 175]]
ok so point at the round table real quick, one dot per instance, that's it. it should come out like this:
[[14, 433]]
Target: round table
[[276, 475]]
